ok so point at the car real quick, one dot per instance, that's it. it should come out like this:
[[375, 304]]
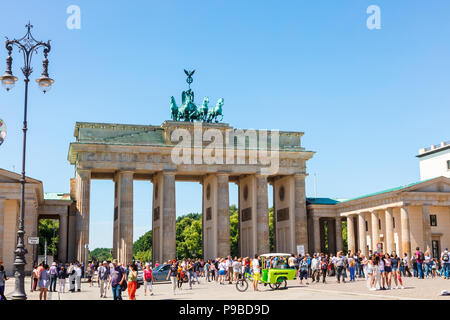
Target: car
[[160, 273], [140, 276]]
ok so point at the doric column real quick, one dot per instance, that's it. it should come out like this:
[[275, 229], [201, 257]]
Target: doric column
[[262, 215], [83, 199], [362, 233], [316, 232], [63, 231], [125, 216], [301, 230], [375, 230], [2, 223], [331, 235], [406, 236], [168, 236], [223, 215], [389, 231], [338, 234], [350, 234], [426, 228]]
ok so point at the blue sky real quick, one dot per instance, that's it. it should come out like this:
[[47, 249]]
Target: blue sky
[[367, 100]]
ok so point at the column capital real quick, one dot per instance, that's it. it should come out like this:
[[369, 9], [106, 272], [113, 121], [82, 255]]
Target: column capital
[[300, 175], [316, 218], [84, 173]]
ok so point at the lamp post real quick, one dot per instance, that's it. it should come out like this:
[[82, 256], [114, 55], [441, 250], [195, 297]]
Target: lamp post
[[28, 46]]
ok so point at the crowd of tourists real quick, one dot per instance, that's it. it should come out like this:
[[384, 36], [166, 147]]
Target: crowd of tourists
[[382, 271]]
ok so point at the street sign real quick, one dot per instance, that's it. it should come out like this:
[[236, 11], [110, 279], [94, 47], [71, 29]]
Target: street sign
[[33, 240], [301, 250]]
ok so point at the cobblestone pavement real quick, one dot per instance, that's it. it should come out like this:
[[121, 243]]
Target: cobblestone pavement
[[414, 289]]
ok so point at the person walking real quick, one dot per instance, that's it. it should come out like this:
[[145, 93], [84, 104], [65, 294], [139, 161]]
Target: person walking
[[53, 277], [62, 275], [229, 269], [406, 265], [445, 260], [208, 271], [78, 275], [315, 268], [35, 278], [103, 273], [72, 277], [148, 279], [3, 278], [303, 270], [256, 272], [44, 282], [339, 266], [222, 271], [236, 268], [116, 279], [323, 268], [420, 257], [132, 281], [173, 271]]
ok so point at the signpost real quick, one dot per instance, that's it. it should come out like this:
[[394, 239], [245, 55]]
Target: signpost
[[33, 241], [301, 250]]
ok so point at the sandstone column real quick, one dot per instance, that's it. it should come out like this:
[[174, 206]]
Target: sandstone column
[[262, 216], [426, 228], [301, 230], [339, 243], [389, 231], [350, 233], [375, 230], [331, 229], [362, 233], [316, 233], [168, 235], [406, 236], [63, 232], [125, 216], [31, 230], [223, 215], [82, 220], [2, 223]]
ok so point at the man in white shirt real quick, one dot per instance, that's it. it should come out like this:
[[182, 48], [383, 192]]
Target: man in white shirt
[[256, 272], [78, 274], [315, 268]]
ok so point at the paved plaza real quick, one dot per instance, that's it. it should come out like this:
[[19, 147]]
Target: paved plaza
[[414, 289]]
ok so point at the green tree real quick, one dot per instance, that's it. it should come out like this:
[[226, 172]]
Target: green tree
[[101, 254], [144, 243], [234, 230], [344, 236], [48, 229], [143, 256]]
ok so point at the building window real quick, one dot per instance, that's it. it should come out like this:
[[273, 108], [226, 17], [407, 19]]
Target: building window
[[433, 220], [379, 224], [367, 226], [448, 164], [393, 222]]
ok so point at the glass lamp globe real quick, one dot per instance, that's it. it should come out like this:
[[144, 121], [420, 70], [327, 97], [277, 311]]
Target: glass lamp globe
[[45, 83], [8, 81]]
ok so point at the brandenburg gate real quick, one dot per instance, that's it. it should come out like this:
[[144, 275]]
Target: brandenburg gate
[[211, 153]]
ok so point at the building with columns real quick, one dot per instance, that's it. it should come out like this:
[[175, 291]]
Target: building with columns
[[398, 219], [38, 205]]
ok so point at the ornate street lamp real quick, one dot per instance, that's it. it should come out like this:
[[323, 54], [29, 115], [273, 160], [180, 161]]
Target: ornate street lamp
[[28, 46]]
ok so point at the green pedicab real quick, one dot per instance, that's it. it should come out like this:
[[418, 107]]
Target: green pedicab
[[276, 277]]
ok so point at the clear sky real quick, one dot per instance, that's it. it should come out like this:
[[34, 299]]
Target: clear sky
[[367, 100]]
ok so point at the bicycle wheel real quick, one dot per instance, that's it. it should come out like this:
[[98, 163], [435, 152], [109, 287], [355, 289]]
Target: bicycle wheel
[[242, 285], [274, 286]]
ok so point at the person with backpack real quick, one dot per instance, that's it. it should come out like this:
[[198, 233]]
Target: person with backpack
[[445, 263], [351, 267], [148, 279], [72, 277], [420, 257], [303, 270], [116, 279], [323, 268], [132, 281]]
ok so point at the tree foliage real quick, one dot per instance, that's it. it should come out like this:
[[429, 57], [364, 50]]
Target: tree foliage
[[48, 229], [234, 230], [101, 254], [144, 243]]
